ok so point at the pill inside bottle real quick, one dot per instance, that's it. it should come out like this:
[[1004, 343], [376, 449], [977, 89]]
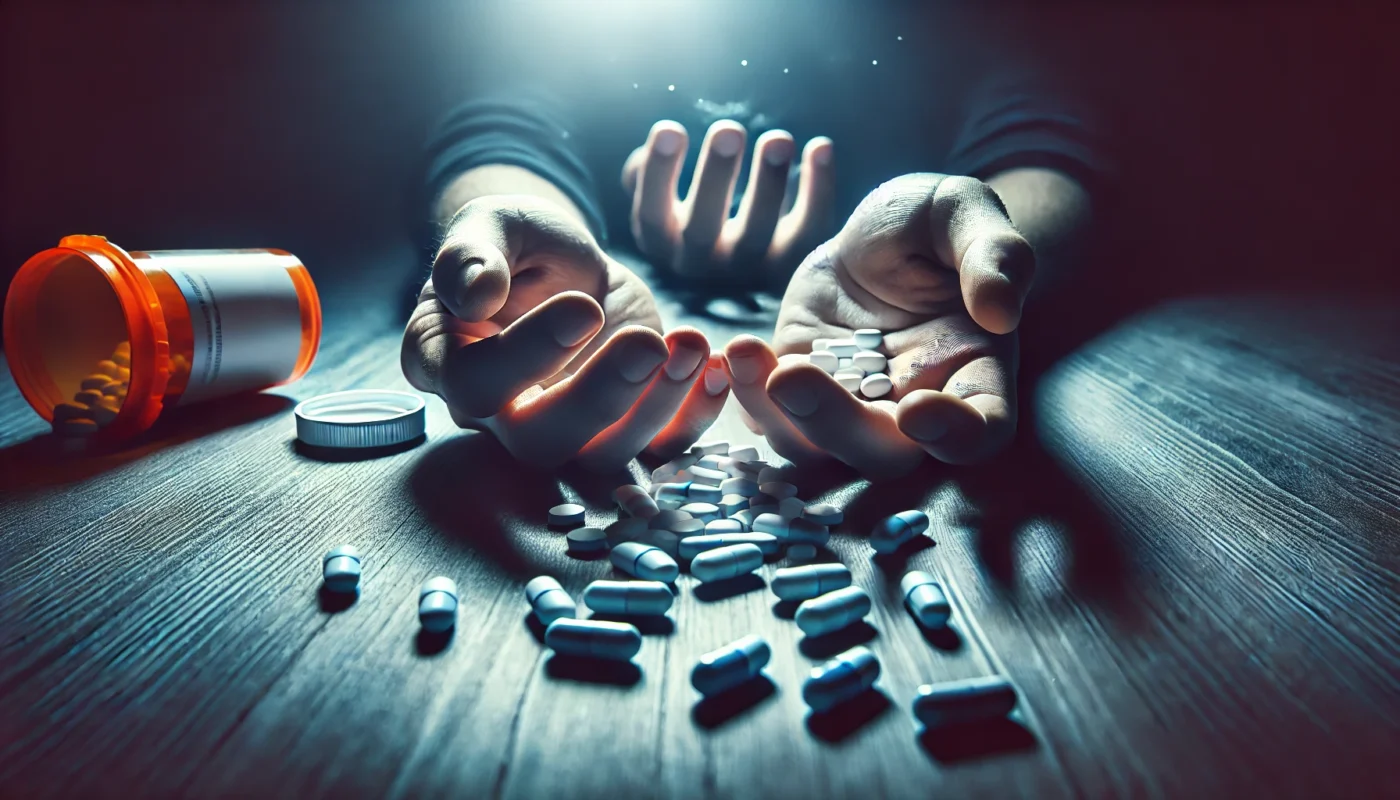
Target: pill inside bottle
[[102, 341]]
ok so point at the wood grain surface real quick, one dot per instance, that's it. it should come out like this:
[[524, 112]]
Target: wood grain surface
[[1189, 566]]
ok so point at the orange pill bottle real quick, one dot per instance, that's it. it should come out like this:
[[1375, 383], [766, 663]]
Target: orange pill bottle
[[102, 341]]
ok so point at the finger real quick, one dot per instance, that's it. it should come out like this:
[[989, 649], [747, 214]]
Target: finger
[[863, 435], [750, 362], [553, 426], [699, 410], [973, 419], [654, 210], [482, 377], [470, 273], [973, 232], [750, 233], [627, 437], [631, 167], [712, 190], [810, 214]]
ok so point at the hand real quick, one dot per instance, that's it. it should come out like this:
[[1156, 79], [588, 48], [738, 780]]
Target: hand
[[935, 263], [695, 237], [529, 331]]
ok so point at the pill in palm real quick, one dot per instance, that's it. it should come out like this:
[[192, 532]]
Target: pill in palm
[[742, 454], [639, 598], [695, 545], [875, 386], [893, 531], [821, 344], [566, 514], [832, 611], [815, 580], [843, 348], [849, 379], [824, 360], [726, 562], [548, 600], [868, 361], [823, 514], [723, 669], [586, 541], [340, 568], [645, 561], [437, 604], [924, 598], [965, 701], [868, 338], [840, 679], [617, 641]]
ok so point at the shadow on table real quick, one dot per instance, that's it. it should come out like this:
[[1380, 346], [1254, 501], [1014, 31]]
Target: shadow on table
[[592, 670], [839, 723], [968, 742], [716, 710], [42, 462]]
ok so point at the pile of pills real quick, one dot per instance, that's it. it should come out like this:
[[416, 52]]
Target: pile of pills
[[721, 512], [99, 396], [856, 363]]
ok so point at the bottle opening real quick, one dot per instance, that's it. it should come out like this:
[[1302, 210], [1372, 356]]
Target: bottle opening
[[76, 329]]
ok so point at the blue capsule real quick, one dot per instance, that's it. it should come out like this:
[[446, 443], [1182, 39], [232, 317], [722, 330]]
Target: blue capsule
[[729, 561], [840, 679], [891, 532], [924, 598], [641, 598], [961, 702], [549, 600], [832, 611], [731, 665], [617, 641]]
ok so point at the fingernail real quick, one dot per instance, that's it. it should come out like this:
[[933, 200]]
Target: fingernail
[[571, 328], [926, 429], [778, 152], [727, 143], [743, 368], [798, 402], [667, 143], [682, 363], [638, 363], [823, 154], [715, 381]]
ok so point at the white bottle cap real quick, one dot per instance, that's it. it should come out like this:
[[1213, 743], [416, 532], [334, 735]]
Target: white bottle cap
[[360, 418]]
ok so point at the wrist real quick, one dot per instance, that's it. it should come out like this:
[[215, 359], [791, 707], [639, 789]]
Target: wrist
[[496, 179]]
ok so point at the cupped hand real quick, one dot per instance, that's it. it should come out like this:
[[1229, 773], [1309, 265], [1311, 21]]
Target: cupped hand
[[935, 263], [696, 237], [528, 330]]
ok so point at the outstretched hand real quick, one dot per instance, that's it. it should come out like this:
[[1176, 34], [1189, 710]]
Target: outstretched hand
[[935, 263], [528, 330]]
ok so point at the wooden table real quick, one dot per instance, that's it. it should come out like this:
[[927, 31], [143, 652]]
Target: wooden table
[[1189, 567]]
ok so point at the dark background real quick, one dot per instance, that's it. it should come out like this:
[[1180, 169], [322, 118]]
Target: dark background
[[1246, 141]]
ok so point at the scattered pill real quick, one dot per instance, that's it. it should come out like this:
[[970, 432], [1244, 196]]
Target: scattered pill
[[843, 348], [924, 598], [802, 552], [868, 338], [625, 530], [841, 679], [805, 531], [877, 385], [437, 604], [548, 600], [586, 541], [726, 562], [668, 542], [695, 545], [832, 611], [770, 523], [670, 496], [869, 361], [731, 504], [791, 507], [820, 344], [667, 518], [805, 583], [825, 360], [705, 512], [634, 501], [638, 598], [688, 527], [644, 561], [723, 526], [566, 514], [960, 702], [823, 514], [617, 641], [778, 490], [710, 449], [742, 454], [849, 379], [725, 668], [340, 568], [893, 531]]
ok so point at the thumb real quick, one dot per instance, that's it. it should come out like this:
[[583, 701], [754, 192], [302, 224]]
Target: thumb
[[471, 271]]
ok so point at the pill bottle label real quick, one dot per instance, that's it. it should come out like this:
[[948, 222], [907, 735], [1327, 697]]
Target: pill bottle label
[[245, 316]]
